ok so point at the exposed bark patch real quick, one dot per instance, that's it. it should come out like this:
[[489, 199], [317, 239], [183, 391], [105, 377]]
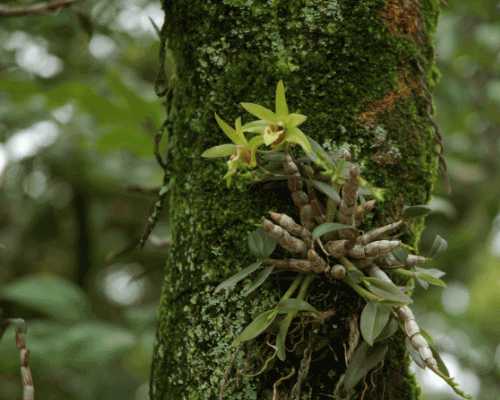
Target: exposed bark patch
[[403, 17], [387, 103]]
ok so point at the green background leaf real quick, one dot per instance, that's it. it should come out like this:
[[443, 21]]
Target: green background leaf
[[49, 294]]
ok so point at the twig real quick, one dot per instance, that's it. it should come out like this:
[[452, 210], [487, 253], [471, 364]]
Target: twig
[[35, 9]]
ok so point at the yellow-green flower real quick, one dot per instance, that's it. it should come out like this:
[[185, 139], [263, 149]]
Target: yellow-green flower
[[241, 152], [280, 126]]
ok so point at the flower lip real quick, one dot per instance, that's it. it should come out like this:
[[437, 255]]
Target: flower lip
[[242, 154]]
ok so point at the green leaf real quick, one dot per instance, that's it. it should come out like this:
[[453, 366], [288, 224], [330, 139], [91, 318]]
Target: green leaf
[[296, 119], [260, 112], [51, 295], [390, 329], [388, 291], [420, 210], [429, 276], [436, 273], [374, 318], [435, 353], [295, 135], [281, 105], [80, 345], [229, 284], [401, 255], [439, 246], [329, 227], [261, 278], [231, 133], [355, 275], [223, 150], [94, 343], [327, 190], [260, 243], [282, 334], [414, 354], [257, 326], [441, 365], [364, 359], [296, 305], [321, 153]]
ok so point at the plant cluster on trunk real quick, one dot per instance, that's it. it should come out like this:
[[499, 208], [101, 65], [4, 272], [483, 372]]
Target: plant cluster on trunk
[[361, 71]]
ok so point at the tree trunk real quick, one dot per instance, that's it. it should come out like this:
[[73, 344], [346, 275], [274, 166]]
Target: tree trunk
[[360, 70]]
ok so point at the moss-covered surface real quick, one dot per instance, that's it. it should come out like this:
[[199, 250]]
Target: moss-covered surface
[[339, 60]]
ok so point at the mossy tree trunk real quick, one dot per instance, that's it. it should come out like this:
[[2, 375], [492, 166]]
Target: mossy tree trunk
[[360, 70]]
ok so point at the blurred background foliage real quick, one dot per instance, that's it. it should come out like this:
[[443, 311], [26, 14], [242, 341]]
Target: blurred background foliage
[[77, 180]]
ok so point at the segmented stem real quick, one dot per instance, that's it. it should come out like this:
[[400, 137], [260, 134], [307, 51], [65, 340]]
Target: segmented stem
[[24, 355], [347, 207], [291, 226], [378, 233], [299, 196], [284, 239], [410, 326], [373, 249], [411, 261]]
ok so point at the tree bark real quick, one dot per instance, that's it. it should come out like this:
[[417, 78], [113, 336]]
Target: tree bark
[[361, 72]]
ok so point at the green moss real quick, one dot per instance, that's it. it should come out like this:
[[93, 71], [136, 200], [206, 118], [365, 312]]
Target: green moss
[[336, 58]]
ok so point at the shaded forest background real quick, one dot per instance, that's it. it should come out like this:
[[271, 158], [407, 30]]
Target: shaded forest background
[[77, 178]]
